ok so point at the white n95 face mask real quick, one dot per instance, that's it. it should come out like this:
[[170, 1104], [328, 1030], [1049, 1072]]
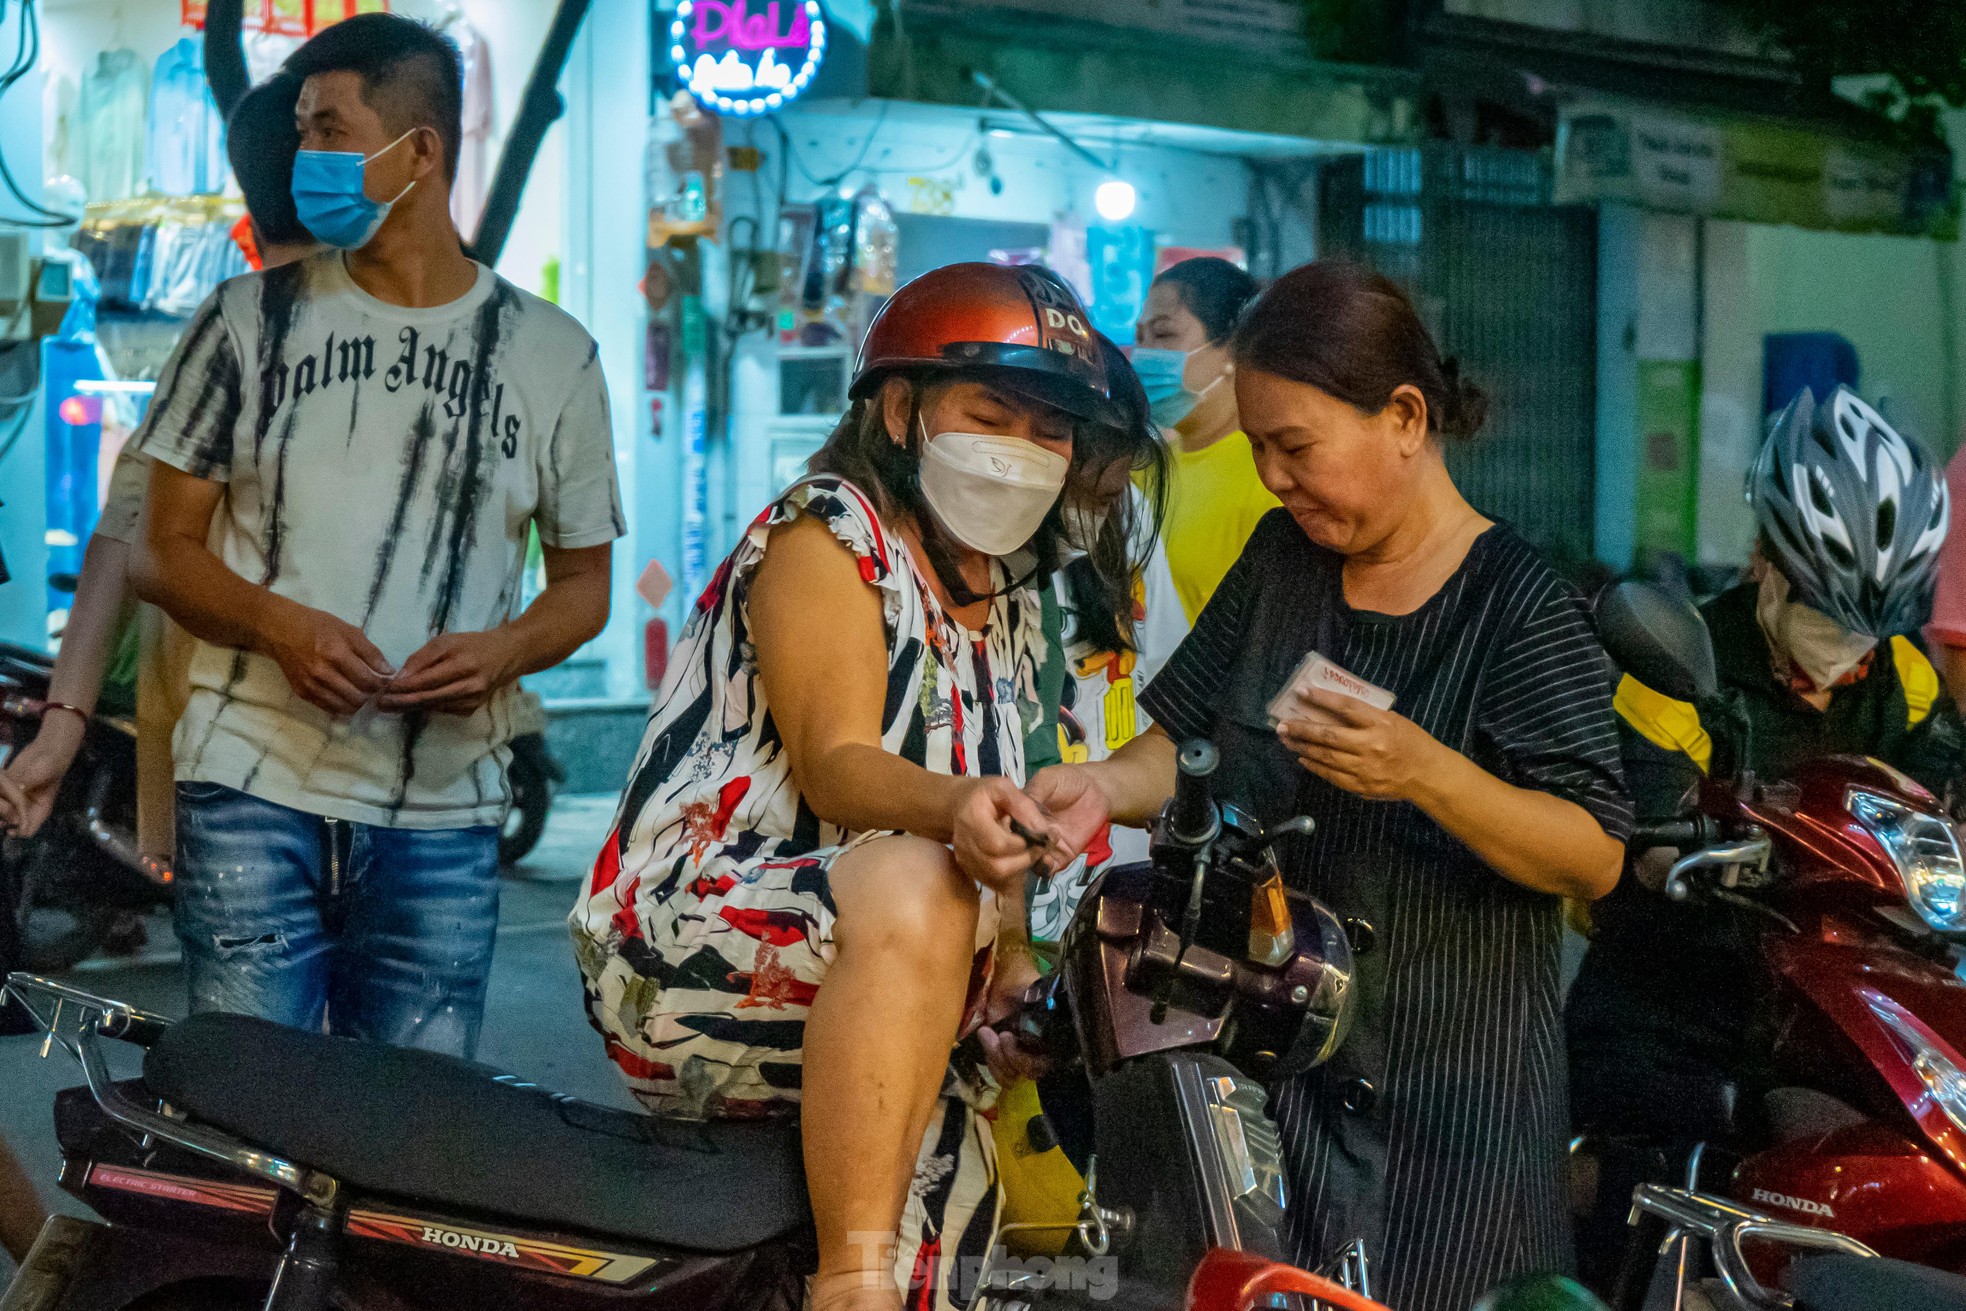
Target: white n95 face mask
[[1822, 649], [990, 493]]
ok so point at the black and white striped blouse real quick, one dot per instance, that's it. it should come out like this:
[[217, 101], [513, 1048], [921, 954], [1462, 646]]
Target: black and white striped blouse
[[1437, 1134]]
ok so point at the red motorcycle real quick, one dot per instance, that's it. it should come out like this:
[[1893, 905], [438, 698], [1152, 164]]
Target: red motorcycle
[[1856, 876]]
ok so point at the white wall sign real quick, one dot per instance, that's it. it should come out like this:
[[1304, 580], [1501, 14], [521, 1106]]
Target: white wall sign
[[1677, 163], [1861, 187], [742, 62]]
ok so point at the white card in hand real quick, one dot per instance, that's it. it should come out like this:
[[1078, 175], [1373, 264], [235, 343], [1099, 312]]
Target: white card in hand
[[1317, 674]]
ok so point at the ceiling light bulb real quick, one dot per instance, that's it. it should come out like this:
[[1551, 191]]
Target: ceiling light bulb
[[1115, 200]]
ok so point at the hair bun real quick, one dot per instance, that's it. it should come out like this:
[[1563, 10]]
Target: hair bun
[[1353, 334]]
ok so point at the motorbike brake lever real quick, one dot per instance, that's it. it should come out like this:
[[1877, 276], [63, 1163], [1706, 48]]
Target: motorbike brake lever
[[1300, 825], [1753, 851]]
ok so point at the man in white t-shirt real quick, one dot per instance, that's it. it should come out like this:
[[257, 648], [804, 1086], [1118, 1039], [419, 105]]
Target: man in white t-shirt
[[366, 438]]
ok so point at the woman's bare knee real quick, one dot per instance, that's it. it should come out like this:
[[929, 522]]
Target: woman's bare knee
[[905, 894]]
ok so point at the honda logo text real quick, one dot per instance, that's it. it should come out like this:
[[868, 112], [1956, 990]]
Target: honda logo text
[[469, 1242], [1801, 1204]]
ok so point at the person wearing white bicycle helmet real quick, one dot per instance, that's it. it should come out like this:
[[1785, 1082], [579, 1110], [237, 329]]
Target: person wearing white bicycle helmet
[[1817, 646], [1852, 516]]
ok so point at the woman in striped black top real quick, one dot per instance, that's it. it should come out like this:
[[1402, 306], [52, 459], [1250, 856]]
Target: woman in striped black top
[[1448, 829]]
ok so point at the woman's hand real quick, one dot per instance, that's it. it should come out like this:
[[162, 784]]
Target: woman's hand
[[13, 806], [987, 848], [1009, 1059], [1537, 839], [1077, 806], [1364, 750], [35, 773]]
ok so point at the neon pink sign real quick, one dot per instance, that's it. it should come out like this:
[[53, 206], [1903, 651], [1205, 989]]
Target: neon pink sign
[[730, 20], [729, 56]]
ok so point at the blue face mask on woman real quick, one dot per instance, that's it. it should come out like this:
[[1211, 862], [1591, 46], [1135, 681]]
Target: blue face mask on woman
[[1162, 374], [330, 199]]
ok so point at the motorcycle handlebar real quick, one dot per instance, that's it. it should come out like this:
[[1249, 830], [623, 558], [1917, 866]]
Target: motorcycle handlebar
[[1192, 817], [132, 1026], [1679, 834]]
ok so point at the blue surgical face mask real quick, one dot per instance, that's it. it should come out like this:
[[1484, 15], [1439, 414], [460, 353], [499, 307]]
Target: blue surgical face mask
[[1164, 373], [329, 196]]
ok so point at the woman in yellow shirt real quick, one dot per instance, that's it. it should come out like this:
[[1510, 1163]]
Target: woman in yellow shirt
[[1181, 352]]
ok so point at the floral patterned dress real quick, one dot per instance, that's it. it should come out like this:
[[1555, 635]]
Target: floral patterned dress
[[706, 928]]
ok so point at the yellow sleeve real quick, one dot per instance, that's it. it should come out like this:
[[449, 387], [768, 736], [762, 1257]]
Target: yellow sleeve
[[1665, 723], [1919, 680]]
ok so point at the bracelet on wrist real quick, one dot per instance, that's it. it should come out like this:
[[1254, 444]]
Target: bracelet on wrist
[[46, 706]]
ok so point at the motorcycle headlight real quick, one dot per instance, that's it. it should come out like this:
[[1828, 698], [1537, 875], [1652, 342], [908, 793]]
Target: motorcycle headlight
[[1238, 1149], [1926, 853], [1248, 1146], [1940, 1074], [1947, 1084]]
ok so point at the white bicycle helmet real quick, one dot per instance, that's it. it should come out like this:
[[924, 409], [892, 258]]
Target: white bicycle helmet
[[1851, 511]]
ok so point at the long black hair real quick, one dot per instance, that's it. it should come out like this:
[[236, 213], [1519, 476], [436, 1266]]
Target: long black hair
[[260, 140], [1130, 526], [862, 451]]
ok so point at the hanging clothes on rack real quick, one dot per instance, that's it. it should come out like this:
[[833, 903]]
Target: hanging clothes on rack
[[187, 133], [162, 254], [58, 94], [473, 180], [266, 51], [108, 130]]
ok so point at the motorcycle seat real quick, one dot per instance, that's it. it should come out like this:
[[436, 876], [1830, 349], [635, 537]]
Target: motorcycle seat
[[1857, 1283], [445, 1134]]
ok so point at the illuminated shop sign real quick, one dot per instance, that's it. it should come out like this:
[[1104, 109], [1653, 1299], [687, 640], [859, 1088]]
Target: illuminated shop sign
[[737, 60]]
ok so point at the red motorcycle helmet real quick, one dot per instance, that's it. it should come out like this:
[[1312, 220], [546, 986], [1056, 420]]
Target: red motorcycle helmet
[[1023, 326]]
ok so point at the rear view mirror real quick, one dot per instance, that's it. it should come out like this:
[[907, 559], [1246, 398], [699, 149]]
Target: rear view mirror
[[1659, 639]]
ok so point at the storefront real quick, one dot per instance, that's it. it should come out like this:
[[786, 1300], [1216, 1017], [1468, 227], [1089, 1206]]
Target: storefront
[[727, 261], [1159, 133], [830, 184], [878, 192], [1754, 231], [1744, 257]]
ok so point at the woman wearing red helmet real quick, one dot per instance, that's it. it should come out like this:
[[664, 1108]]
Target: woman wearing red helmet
[[830, 785]]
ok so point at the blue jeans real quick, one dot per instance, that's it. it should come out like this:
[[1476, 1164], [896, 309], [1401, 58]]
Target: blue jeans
[[371, 932]]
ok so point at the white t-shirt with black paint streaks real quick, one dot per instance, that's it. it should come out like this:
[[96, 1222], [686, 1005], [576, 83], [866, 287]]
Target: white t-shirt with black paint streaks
[[382, 464]]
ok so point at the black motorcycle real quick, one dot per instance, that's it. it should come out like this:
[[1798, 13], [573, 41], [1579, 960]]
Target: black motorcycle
[[80, 885], [534, 775], [257, 1165]]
